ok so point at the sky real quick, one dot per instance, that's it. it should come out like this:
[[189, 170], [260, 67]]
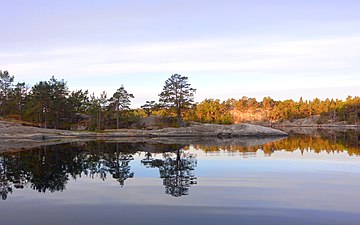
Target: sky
[[284, 49]]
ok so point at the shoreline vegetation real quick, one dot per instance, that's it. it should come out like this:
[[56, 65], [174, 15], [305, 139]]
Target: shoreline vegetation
[[50, 104]]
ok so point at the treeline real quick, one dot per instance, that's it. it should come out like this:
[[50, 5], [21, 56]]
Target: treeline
[[250, 110], [51, 104]]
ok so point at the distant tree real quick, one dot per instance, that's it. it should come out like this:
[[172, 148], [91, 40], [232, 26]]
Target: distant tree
[[149, 107], [103, 102], [17, 98], [120, 101], [77, 103], [41, 99], [252, 104], [59, 93], [96, 108], [267, 103], [49, 101], [177, 94], [213, 111], [5, 86], [93, 111]]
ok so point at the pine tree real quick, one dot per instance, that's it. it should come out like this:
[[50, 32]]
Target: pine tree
[[120, 101], [17, 98], [149, 107], [5, 86], [41, 99], [177, 94]]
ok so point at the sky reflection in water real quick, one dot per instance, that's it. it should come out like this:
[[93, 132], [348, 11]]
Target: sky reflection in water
[[220, 187]]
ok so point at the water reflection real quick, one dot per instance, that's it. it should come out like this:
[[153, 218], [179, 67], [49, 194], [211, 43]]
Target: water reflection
[[176, 170], [49, 168], [329, 141]]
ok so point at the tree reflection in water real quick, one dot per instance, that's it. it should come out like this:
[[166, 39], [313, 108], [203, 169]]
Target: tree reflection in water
[[5, 188], [49, 168], [120, 168], [176, 171]]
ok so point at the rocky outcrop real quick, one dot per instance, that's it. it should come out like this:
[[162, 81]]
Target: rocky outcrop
[[14, 136], [249, 116], [220, 131], [201, 130]]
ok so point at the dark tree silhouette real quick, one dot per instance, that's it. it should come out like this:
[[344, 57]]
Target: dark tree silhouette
[[5, 86], [176, 172], [120, 168], [120, 101], [149, 107], [177, 94]]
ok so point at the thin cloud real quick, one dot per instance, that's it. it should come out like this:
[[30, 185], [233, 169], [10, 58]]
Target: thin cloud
[[209, 55], [248, 65]]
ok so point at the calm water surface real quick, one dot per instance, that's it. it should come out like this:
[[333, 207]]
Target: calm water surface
[[297, 180]]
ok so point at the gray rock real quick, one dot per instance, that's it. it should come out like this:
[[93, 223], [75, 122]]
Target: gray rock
[[220, 131]]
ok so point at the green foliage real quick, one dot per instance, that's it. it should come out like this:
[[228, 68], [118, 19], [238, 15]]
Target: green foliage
[[126, 119], [149, 107], [6, 82], [212, 111], [138, 113], [177, 94], [17, 99], [96, 111], [120, 101], [51, 104], [348, 111], [79, 101]]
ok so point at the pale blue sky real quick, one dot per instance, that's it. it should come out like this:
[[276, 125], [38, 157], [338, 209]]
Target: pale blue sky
[[280, 48]]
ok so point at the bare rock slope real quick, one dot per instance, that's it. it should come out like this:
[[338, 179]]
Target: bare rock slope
[[15, 131], [16, 136], [215, 130]]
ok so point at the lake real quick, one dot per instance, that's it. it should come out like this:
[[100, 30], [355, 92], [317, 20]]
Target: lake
[[301, 179]]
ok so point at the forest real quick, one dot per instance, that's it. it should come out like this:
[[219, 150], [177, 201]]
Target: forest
[[51, 104]]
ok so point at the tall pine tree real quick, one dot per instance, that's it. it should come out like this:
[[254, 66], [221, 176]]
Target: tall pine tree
[[177, 94]]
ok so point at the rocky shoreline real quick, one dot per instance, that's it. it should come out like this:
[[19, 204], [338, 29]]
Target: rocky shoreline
[[312, 121], [14, 135], [203, 130]]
